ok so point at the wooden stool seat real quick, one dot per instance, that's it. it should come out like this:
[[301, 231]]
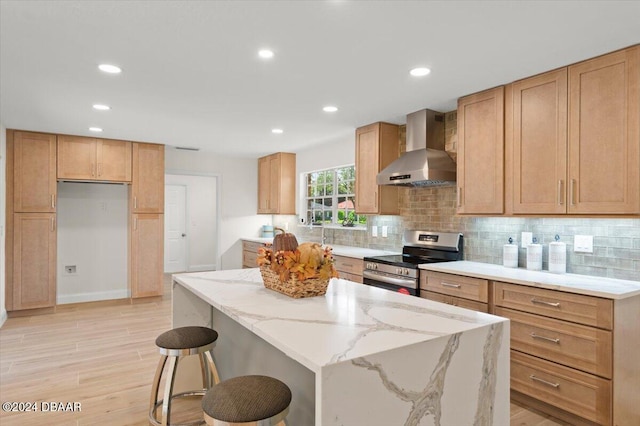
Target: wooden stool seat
[[247, 400], [173, 345]]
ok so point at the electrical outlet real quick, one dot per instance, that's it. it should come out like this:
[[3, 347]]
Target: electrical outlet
[[384, 231], [583, 243], [526, 239], [374, 231]]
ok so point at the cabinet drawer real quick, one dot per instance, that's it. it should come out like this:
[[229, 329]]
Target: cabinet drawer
[[571, 390], [251, 246], [249, 259], [348, 264], [577, 308], [455, 285], [578, 346], [455, 301], [351, 277]]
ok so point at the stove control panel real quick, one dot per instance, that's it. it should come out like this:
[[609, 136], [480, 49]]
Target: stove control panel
[[391, 269]]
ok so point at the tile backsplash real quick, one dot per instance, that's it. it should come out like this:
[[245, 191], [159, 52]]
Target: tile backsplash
[[616, 242]]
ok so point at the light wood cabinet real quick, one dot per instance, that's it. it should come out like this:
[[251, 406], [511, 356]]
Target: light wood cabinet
[[377, 145], [573, 139], [34, 261], [457, 290], [81, 158], [536, 144], [250, 253], [147, 185], [277, 184], [480, 171], [147, 255], [604, 134], [34, 172], [349, 268]]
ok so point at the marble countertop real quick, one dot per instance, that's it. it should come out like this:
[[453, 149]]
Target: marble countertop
[[352, 320], [338, 250], [609, 288]]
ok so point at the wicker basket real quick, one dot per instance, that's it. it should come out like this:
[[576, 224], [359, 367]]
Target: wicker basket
[[292, 287]]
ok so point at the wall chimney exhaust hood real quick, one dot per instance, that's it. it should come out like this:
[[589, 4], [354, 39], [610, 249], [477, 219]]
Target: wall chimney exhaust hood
[[425, 163]]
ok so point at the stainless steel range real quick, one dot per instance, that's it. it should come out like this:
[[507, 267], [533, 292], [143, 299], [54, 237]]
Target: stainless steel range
[[400, 272]]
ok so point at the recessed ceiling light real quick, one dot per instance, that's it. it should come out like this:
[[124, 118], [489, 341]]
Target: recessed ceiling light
[[419, 72], [95, 129], [265, 54], [330, 108], [101, 107], [111, 69], [277, 131]]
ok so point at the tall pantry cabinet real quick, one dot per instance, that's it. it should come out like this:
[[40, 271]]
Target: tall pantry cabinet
[[146, 206], [31, 220], [34, 163]]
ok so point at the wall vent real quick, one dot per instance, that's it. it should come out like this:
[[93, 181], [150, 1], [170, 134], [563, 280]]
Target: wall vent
[[187, 148]]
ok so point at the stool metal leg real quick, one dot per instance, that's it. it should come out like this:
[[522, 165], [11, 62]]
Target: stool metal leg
[[212, 368], [168, 390], [156, 385]]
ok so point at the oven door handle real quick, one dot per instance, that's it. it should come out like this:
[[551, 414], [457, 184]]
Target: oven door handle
[[400, 282]]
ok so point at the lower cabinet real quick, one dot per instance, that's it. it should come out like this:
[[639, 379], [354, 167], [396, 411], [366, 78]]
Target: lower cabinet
[[349, 268], [250, 253], [147, 255], [34, 260], [466, 292]]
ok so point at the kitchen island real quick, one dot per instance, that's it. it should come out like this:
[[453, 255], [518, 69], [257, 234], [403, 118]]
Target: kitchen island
[[358, 355]]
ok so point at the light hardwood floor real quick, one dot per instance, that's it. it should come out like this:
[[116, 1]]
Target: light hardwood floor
[[104, 357]]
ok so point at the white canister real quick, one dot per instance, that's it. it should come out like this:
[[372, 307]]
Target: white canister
[[534, 256], [557, 257], [510, 255]]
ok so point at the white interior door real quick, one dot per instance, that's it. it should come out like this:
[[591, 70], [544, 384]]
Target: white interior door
[[175, 256]]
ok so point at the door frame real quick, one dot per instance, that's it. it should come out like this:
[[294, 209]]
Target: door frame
[[218, 178]]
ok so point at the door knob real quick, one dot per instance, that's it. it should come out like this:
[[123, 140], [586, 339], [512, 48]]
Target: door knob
[[184, 235]]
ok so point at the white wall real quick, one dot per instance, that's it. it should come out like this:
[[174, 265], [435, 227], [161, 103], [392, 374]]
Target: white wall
[[201, 219], [238, 197], [3, 222], [92, 234]]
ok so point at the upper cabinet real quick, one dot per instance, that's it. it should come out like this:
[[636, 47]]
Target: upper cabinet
[[481, 153], [147, 186], [81, 158], [377, 145], [34, 172], [573, 139], [536, 144], [604, 134], [277, 184]]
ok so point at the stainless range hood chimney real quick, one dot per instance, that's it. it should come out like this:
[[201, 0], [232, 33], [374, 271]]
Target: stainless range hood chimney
[[425, 163]]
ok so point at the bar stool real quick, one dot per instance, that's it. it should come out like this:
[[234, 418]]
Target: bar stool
[[247, 401], [173, 345]]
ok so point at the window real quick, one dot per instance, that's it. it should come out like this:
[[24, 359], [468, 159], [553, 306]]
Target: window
[[330, 197]]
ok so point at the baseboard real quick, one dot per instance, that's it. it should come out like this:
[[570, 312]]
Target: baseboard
[[202, 268], [93, 296], [3, 317]]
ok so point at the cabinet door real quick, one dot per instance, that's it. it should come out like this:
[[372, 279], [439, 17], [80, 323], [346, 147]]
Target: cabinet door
[[537, 139], [367, 160], [604, 134], [481, 152], [274, 185], [264, 182], [114, 160], [77, 157], [147, 185], [34, 260], [147, 255], [34, 165]]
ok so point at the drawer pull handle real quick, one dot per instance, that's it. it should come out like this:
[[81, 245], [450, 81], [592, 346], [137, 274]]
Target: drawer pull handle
[[549, 339], [450, 285], [538, 379], [542, 302]]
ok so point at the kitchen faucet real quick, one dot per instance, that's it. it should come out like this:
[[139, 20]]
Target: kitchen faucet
[[324, 237]]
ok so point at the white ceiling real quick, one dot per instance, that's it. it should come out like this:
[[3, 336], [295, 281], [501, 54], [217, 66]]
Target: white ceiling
[[191, 75]]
